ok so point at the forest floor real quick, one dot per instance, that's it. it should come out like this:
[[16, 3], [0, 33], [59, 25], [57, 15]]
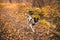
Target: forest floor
[[14, 26]]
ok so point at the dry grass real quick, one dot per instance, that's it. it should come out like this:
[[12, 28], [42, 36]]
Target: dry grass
[[15, 24]]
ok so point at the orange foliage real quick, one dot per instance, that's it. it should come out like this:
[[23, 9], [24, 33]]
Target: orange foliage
[[10, 6]]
